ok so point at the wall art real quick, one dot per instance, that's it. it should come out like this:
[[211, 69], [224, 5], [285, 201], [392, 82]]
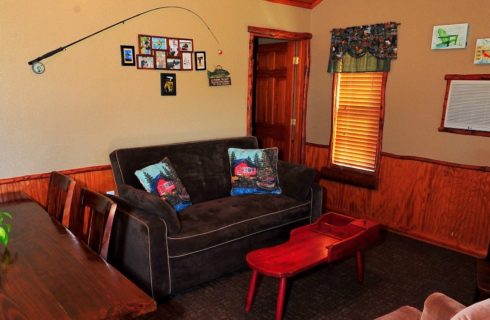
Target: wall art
[[158, 43], [173, 47], [173, 63], [186, 60], [127, 56], [160, 59], [145, 61], [219, 77], [482, 51], [186, 45], [168, 84], [144, 44], [451, 36], [200, 60]]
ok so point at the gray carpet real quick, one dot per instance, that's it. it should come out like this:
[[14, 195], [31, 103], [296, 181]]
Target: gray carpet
[[398, 271]]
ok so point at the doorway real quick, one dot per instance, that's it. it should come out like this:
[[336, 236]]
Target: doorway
[[277, 90]]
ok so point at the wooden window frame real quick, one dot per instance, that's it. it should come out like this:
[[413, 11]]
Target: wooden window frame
[[358, 177], [449, 78]]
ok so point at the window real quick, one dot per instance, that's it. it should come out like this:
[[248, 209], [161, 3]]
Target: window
[[467, 105], [357, 122]]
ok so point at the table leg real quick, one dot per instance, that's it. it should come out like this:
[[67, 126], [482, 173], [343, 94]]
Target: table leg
[[251, 291], [280, 298], [360, 267]]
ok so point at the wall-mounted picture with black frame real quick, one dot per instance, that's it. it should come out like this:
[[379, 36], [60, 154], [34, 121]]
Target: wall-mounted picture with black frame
[[168, 84], [200, 60], [127, 56]]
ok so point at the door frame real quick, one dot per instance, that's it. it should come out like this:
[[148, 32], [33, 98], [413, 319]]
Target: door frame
[[301, 85]]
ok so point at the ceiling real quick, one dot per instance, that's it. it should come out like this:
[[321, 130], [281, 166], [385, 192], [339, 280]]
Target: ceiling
[[310, 4]]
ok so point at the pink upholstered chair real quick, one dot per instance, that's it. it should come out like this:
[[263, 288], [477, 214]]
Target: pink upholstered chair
[[438, 306]]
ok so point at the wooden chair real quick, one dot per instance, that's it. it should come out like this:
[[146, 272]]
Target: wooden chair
[[60, 195], [97, 214]]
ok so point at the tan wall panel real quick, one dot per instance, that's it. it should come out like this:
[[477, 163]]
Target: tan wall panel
[[86, 104], [416, 86]]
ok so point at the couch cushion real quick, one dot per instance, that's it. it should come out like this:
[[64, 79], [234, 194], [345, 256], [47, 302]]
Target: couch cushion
[[202, 166], [215, 222], [253, 171]]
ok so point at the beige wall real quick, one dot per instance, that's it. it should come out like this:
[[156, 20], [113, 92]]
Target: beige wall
[[86, 104], [416, 85]]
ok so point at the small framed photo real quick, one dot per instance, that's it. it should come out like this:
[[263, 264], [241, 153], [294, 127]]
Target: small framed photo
[[144, 44], [200, 60], [168, 84], [173, 47], [160, 59], [145, 61], [186, 45], [127, 56], [174, 63], [186, 60], [158, 43]]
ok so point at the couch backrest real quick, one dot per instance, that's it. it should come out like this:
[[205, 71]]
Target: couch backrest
[[203, 166]]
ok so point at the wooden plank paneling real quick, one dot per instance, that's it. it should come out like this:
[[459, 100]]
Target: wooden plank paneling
[[98, 178], [441, 203]]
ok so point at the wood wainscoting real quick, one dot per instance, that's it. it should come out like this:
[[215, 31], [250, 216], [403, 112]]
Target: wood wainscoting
[[99, 178], [437, 202]]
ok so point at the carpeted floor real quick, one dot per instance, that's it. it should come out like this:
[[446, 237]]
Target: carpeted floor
[[399, 271]]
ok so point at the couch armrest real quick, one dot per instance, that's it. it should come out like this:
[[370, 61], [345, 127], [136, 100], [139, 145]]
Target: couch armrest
[[316, 194], [438, 306], [152, 204], [138, 248], [295, 180], [403, 313]]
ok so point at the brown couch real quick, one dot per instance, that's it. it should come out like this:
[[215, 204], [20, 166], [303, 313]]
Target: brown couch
[[165, 252], [438, 306]]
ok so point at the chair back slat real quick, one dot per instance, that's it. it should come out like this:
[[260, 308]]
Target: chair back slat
[[60, 195], [97, 213]]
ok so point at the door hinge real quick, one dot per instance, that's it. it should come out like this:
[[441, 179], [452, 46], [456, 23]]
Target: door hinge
[[293, 122], [295, 60]]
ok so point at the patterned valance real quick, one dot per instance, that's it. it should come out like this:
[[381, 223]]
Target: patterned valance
[[363, 48]]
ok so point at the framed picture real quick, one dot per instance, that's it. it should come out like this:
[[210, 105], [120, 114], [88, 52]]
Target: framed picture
[[158, 43], [145, 61], [173, 47], [160, 59], [200, 60], [174, 63], [186, 60], [168, 84], [482, 51], [127, 56], [144, 44], [186, 45], [450, 36]]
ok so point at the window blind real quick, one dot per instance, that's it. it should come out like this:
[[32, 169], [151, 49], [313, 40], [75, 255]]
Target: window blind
[[468, 105], [356, 120]]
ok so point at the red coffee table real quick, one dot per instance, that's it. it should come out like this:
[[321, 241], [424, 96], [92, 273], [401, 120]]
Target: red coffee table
[[332, 237]]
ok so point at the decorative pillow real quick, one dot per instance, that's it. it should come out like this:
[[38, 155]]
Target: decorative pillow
[[161, 179], [253, 171]]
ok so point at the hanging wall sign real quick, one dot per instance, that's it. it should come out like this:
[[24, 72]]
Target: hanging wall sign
[[219, 77]]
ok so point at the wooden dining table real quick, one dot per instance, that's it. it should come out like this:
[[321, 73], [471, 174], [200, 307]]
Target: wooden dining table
[[47, 273]]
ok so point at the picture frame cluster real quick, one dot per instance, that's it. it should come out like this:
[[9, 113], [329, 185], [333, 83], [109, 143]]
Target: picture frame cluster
[[163, 53]]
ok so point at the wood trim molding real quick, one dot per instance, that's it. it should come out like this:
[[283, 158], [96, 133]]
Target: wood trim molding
[[46, 175], [278, 34], [415, 158], [302, 4]]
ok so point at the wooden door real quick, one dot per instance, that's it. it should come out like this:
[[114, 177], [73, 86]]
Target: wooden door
[[272, 109]]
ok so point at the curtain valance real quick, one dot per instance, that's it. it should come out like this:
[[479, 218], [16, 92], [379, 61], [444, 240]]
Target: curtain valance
[[363, 48]]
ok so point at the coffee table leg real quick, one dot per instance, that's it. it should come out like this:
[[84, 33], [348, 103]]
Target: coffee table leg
[[251, 291], [280, 298], [360, 267]]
